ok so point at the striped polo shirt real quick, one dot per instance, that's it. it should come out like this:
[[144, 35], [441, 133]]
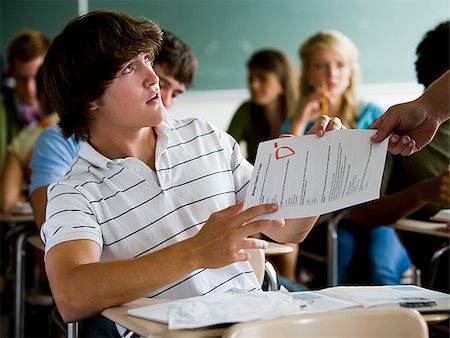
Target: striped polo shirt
[[131, 210]]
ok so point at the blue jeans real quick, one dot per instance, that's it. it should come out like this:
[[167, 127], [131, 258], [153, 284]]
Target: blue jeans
[[378, 253]]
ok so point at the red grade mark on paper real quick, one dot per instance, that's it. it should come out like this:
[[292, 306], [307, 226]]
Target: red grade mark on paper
[[282, 152]]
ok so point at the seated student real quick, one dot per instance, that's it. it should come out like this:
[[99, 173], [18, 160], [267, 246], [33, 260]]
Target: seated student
[[416, 186], [329, 84], [175, 65], [272, 80], [19, 107], [151, 207], [53, 154], [15, 178]]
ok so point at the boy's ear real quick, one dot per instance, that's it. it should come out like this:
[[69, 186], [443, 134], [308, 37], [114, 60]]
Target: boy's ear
[[93, 106]]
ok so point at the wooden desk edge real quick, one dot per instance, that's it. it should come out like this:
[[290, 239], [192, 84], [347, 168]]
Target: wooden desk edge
[[428, 228]]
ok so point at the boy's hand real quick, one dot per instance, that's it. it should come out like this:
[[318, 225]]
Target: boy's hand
[[225, 235]]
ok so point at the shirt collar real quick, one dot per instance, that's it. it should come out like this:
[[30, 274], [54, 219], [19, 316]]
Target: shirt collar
[[88, 152]]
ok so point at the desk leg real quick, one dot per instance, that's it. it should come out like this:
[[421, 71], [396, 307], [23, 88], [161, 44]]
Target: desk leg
[[20, 284], [72, 330], [15, 230], [435, 262], [332, 254]]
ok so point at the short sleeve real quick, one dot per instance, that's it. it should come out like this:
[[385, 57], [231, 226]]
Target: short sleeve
[[240, 167], [69, 216]]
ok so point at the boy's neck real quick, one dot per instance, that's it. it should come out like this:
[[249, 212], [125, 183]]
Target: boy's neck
[[140, 144]]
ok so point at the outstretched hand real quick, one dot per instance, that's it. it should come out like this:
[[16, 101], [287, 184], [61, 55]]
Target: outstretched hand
[[412, 125], [415, 123]]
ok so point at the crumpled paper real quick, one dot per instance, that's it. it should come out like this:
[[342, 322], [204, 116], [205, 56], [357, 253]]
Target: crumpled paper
[[230, 307]]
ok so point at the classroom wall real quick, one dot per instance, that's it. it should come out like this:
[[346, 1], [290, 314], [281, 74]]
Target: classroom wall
[[223, 33]]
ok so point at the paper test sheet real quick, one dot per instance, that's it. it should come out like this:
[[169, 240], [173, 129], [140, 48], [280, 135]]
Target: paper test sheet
[[308, 175]]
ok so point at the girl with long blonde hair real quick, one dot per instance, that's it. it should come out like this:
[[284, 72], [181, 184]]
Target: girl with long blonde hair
[[329, 84]]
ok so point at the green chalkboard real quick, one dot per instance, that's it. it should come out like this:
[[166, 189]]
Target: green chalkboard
[[223, 33]]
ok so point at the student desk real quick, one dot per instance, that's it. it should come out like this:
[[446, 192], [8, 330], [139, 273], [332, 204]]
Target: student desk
[[404, 224], [428, 228], [148, 328]]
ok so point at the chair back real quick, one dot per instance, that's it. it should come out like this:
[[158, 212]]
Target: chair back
[[257, 260], [354, 323]]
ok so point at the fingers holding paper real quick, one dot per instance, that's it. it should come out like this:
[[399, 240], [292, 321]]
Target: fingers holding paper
[[326, 123], [226, 233], [412, 127]]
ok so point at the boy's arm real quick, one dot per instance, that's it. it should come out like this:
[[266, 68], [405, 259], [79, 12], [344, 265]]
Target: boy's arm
[[294, 231], [38, 200], [82, 286]]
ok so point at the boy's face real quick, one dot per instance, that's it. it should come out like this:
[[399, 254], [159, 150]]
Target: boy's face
[[169, 86], [24, 73], [133, 99]]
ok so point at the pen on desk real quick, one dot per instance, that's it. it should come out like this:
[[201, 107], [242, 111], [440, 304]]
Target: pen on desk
[[325, 109]]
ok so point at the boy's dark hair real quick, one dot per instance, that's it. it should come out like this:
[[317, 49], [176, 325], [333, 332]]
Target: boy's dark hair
[[177, 59], [26, 46], [85, 58], [433, 54]]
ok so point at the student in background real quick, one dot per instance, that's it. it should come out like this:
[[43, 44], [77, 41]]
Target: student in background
[[416, 186], [329, 85], [272, 81], [175, 65], [120, 225], [19, 108], [15, 176]]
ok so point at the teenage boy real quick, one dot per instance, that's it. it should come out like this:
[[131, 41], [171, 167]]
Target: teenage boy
[[151, 206], [53, 154]]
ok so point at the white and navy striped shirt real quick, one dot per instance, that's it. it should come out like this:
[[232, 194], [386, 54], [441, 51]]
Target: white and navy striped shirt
[[131, 210]]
